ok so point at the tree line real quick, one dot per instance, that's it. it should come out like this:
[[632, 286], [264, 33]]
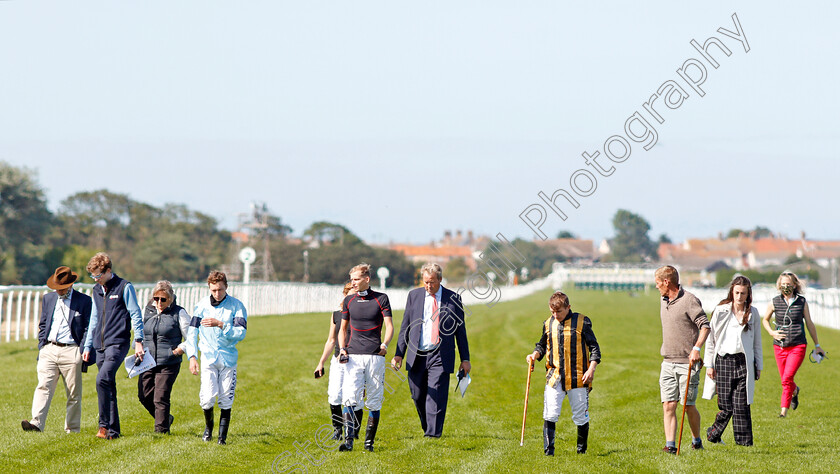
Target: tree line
[[174, 242], [148, 243]]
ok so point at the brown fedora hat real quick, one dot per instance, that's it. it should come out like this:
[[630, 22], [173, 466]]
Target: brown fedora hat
[[62, 278]]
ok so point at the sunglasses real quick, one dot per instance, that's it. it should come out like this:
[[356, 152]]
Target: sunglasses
[[158, 298], [96, 277]]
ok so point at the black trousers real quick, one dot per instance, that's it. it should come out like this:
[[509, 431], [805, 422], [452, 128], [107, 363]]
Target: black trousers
[[154, 388], [731, 382], [109, 360]]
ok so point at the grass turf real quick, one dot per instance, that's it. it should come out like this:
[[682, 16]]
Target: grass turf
[[280, 408]]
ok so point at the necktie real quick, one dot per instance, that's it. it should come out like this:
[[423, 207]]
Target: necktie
[[435, 321]]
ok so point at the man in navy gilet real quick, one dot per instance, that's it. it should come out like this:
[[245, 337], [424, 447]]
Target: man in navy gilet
[[115, 311]]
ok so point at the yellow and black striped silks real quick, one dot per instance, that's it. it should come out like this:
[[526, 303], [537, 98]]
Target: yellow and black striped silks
[[570, 345]]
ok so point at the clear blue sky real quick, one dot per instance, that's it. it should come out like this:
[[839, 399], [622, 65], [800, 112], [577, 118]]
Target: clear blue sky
[[402, 120]]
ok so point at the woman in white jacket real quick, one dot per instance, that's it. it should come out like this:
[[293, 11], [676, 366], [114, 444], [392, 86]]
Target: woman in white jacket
[[733, 361]]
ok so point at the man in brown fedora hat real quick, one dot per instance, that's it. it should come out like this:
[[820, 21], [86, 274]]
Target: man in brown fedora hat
[[65, 314]]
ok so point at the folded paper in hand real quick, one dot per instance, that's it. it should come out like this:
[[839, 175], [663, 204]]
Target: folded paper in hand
[[463, 382], [135, 368]]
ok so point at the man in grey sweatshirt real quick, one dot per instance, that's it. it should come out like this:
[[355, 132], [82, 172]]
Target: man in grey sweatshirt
[[684, 330]]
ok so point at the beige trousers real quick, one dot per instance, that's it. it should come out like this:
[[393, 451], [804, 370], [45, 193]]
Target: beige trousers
[[55, 362]]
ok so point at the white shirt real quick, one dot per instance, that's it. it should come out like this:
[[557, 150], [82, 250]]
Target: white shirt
[[60, 327], [429, 316], [728, 333]]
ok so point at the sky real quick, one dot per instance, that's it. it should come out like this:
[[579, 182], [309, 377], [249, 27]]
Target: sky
[[401, 121]]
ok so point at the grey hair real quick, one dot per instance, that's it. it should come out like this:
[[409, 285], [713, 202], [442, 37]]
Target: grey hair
[[166, 287], [432, 268]]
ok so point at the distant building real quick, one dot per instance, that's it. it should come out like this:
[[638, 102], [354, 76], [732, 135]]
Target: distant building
[[744, 252], [573, 250], [451, 246]]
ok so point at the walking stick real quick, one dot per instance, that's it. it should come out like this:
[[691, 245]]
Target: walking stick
[[525, 412], [685, 402]]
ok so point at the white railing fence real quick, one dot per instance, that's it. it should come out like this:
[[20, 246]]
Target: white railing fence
[[20, 306], [824, 304]]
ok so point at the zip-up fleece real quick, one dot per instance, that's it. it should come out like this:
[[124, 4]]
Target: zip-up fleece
[[114, 311]]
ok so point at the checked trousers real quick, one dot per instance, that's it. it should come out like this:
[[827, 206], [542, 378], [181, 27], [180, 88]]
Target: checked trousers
[[731, 381]]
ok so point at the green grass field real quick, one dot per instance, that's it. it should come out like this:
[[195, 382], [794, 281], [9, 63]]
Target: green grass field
[[279, 408]]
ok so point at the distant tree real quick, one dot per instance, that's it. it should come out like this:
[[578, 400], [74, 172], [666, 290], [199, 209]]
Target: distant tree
[[455, 270], [25, 224], [538, 259], [761, 232], [758, 232], [146, 243], [74, 256], [287, 259], [97, 219], [403, 273], [565, 234], [664, 239], [330, 233], [337, 250], [734, 233], [631, 242]]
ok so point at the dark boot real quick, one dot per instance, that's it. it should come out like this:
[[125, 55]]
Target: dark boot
[[370, 435], [583, 436], [351, 427], [359, 415], [337, 421], [224, 423], [208, 424], [548, 438]]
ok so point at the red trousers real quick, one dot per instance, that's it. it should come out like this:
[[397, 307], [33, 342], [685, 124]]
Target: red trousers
[[788, 359]]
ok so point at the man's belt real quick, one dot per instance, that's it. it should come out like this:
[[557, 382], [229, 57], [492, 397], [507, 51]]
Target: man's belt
[[61, 344]]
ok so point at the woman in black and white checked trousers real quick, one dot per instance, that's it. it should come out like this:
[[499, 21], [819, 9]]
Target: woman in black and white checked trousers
[[733, 361]]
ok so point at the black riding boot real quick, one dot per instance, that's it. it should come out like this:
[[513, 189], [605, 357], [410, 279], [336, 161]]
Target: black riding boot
[[224, 423], [583, 436], [548, 438], [359, 414], [370, 435], [208, 424], [351, 427], [337, 421]]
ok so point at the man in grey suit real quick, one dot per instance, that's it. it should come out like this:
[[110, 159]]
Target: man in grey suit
[[433, 322], [65, 314]]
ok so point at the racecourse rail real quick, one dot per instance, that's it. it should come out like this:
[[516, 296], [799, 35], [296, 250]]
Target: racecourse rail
[[20, 305]]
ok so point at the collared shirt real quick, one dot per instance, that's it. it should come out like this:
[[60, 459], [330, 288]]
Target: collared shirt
[[217, 344], [60, 327], [429, 317], [729, 330]]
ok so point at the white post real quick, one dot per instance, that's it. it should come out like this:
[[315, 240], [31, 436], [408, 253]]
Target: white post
[[18, 314], [382, 273], [247, 256]]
